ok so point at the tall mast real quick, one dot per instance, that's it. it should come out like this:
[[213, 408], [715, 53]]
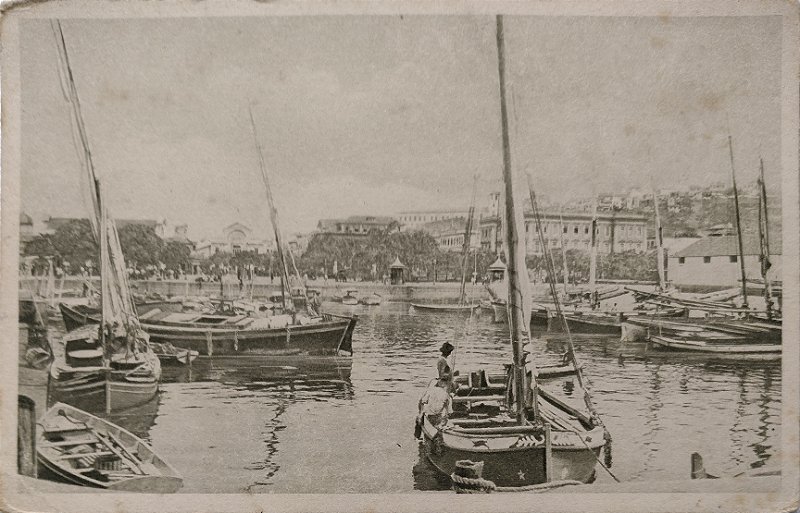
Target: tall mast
[[593, 259], [763, 236], [273, 215], [563, 252], [515, 268], [462, 296], [738, 226], [662, 282]]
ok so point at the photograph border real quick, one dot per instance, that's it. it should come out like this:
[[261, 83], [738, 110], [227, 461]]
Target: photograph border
[[17, 495]]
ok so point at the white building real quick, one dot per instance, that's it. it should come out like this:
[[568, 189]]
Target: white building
[[235, 238], [414, 219], [714, 261]]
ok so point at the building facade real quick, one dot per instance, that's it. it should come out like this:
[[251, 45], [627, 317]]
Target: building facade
[[449, 233], [714, 261], [415, 219], [355, 225], [616, 232], [236, 238]]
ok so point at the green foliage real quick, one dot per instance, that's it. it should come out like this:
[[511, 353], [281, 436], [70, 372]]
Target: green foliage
[[140, 245], [74, 242], [417, 250]]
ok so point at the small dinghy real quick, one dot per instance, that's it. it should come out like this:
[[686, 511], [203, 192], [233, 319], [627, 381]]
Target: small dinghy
[[171, 355], [350, 297], [88, 451], [373, 299], [443, 307]]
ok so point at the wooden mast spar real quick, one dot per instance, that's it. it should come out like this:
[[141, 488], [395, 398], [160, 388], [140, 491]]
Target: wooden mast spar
[[662, 281], [515, 269], [462, 296], [763, 235], [738, 226], [273, 215]]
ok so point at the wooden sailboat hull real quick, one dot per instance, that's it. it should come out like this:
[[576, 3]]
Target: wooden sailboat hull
[[538, 317], [520, 462], [329, 337], [76, 316], [444, 307], [638, 329], [731, 348], [157, 475], [519, 466], [89, 393], [605, 324]]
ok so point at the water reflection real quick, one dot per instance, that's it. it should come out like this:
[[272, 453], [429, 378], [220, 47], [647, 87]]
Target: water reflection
[[346, 424]]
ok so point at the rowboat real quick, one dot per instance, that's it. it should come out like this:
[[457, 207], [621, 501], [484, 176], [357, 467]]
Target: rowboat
[[350, 298], [170, 355], [718, 344], [636, 329], [85, 450], [443, 307], [373, 299]]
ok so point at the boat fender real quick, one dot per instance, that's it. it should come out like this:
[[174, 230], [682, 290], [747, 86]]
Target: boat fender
[[468, 478], [418, 426]]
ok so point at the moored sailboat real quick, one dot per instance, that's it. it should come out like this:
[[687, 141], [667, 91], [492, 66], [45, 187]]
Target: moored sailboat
[[522, 434], [110, 365]]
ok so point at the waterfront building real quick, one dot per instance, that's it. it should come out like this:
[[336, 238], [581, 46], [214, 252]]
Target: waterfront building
[[449, 233], [236, 238], [714, 261], [617, 232], [416, 219], [355, 225]]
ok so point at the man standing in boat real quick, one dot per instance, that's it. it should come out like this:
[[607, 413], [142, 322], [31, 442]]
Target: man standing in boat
[[435, 405]]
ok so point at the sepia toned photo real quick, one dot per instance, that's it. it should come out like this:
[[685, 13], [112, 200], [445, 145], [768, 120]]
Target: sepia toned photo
[[393, 257]]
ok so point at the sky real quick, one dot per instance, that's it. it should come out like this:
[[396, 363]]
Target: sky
[[380, 114]]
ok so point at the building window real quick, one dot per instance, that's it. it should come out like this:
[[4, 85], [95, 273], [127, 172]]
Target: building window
[[707, 260], [575, 230], [733, 258], [565, 229], [585, 229], [681, 260]]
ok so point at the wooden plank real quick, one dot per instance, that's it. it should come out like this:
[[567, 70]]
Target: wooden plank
[[83, 455]]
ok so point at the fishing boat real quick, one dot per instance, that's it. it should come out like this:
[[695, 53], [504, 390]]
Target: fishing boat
[[217, 335], [109, 365], [85, 450], [636, 329], [373, 299], [521, 434], [170, 355], [77, 315]]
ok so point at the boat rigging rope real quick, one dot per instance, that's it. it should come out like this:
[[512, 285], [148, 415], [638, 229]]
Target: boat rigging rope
[[551, 281]]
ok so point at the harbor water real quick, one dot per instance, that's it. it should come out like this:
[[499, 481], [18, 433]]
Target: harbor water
[[341, 425]]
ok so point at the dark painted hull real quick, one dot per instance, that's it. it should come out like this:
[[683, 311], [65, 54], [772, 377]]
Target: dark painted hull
[[605, 325], [522, 461], [327, 338], [81, 315], [90, 394]]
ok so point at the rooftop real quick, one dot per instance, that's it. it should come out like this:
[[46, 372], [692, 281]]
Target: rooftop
[[727, 245]]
